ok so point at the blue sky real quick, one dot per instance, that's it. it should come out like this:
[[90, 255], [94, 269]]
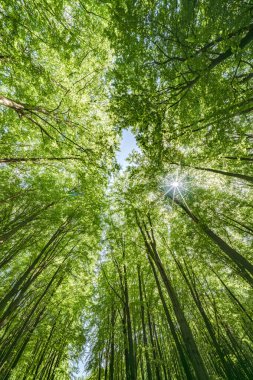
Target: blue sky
[[128, 143]]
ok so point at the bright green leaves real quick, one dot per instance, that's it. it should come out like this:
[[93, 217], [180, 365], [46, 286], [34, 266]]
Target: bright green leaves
[[56, 154], [143, 273]]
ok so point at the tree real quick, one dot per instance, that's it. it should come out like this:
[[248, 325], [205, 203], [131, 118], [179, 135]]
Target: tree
[[143, 273]]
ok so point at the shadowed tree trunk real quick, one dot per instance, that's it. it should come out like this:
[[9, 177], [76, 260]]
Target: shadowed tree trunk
[[244, 266], [189, 341]]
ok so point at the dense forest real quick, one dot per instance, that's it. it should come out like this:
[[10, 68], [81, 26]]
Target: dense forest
[[139, 273]]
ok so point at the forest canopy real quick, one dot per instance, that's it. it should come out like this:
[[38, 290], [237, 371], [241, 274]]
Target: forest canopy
[[136, 273]]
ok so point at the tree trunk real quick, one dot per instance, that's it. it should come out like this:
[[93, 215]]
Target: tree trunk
[[145, 340], [227, 367], [111, 365], [242, 263], [179, 346], [189, 341]]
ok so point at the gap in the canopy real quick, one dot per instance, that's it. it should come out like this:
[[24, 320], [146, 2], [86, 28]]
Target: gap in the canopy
[[127, 146]]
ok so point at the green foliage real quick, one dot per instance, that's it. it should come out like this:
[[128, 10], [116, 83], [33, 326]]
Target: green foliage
[[144, 273]]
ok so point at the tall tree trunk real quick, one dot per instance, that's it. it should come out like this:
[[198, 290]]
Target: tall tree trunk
[[126, 352], [6, 235], [27, 274], [145, 340], [166, 371], [25, 325], [180, 347], [228, 368], [132, 359], [151, 335], [111, 365], [243, 264], [189, 341]]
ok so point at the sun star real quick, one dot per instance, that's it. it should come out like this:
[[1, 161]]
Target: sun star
[[175, 184]]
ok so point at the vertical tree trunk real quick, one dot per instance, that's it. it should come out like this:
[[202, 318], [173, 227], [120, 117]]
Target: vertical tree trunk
[[244, 266], [189, 341], [179, 346], [132, 360], [6, 235], [111, 365], [228, 368], [27, 277], [145, 340], [166, 372]]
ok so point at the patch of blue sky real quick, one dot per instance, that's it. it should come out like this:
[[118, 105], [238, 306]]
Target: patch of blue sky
[[127, 146]]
